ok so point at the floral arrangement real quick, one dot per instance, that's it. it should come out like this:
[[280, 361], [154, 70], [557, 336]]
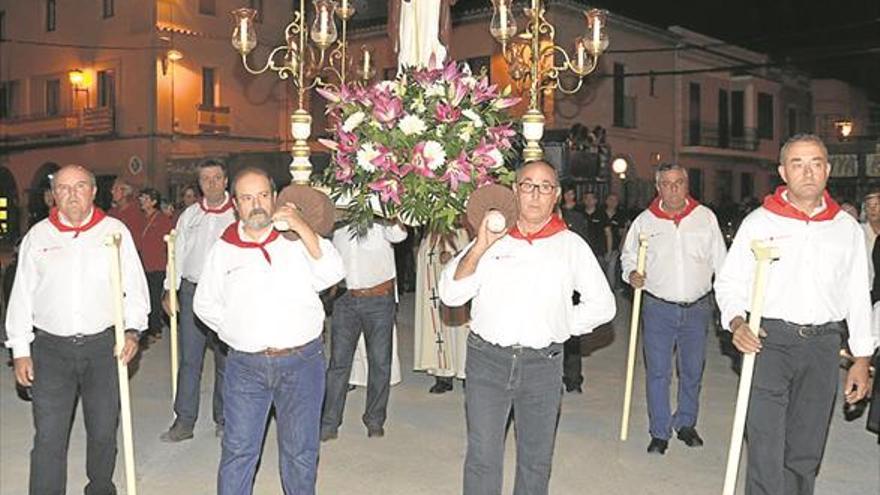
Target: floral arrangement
[[417, 146]]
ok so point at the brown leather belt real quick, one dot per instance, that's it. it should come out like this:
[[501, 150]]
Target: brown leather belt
[[377, 290], [280, 352]]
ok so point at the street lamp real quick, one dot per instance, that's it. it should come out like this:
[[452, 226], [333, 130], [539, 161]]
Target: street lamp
[[307, 65], [844, 128], [532, 57], [79, 82], [620, 165]]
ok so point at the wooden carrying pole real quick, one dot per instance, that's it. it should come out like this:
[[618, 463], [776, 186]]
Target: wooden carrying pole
[[171, 272], [764, 254], [114, 242], [633, 339]]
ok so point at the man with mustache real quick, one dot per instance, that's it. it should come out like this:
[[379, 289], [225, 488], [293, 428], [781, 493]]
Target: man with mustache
[[521, 283], [259, 292], [198, 228], [819, 282], [60, 327]]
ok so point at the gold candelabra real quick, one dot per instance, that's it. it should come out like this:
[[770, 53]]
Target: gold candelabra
[[324, 62], [534, 58]]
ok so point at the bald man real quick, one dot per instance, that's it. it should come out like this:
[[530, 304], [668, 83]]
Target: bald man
[[520, 282]]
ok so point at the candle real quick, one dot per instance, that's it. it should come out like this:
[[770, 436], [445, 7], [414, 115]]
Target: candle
[[366, 63], [325, 23], [344, 4], [243, 33], [502, 11], [581, 55], [597, 30]]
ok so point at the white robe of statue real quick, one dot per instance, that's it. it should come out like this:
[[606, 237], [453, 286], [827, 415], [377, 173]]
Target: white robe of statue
[[420, 34]]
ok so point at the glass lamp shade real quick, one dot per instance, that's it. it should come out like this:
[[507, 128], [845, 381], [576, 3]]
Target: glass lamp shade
[[323, 32], [596, 39], [244, 37], [503, 24], [619, 166]]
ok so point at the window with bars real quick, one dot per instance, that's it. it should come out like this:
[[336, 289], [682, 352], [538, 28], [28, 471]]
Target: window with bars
[[765, 116], [106, 88], [209, 96], [108, 8], [7, 99]]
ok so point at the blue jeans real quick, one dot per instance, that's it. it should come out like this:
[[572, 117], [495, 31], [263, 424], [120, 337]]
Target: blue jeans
[[668, 329], [374, 315], [294, 384], [194, 337], [527, 382]]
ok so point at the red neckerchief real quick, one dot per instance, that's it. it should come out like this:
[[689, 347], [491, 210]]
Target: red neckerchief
[[776, 203], [231, 236], [689, 205], [227, 204], [554, 226], [55, 219]]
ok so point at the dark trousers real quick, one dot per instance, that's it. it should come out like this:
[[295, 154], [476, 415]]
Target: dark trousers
[[65, 371], [194, 338], [790, 407], [294, 385], [374, 316], [157, 314], [527, 382], [572, 367], [673, 330]]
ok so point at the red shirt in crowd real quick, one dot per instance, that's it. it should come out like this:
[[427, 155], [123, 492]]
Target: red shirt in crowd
[[131, 216], [150, 241]]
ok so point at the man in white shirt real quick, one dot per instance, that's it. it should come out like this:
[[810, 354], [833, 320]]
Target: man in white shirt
[[685, 248], [259, 292], [61, 313], [521, 283], [367, 306], [871, 227], [198, 228], [819, 281]]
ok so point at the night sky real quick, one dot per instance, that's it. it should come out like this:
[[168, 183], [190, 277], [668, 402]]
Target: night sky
[[839, 39]]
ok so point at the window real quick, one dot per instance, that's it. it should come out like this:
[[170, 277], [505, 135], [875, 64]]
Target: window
[[7, 99], [208, 82], [106, 88], [624, 105], [109, 8], [50, 15], [694, 111], [746, 186], [53, 97], [765, 116], [258, 6], [792, 122], [737, 117], [208, 7], [723, 119]]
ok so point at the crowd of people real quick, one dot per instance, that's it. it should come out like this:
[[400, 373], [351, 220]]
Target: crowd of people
[[504, 309]]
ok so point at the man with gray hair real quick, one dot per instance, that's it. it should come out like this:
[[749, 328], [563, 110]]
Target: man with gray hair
[[685, 249], [125, 207], [60, 326], [819, 282]]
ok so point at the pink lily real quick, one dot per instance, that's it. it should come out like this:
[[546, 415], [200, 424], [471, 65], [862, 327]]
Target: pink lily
[[328, 95], [388, 189], [502, 103], [457, 171], [484, 91], [387, 109], [347, 142], [446, 113], [501, 135]]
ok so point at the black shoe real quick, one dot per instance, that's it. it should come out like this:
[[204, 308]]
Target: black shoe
[[570, 387], [177, 433], [657, 446], [688, 435], [375, 432], [441, 386], [327, 435]]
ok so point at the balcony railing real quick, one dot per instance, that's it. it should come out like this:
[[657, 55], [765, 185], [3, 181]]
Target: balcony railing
[[88, 122], [213, 120], [710, 136]]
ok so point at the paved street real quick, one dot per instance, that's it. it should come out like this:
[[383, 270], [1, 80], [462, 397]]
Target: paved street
[[423, 449]]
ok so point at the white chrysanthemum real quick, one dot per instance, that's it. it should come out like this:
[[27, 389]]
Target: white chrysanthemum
[[353, 121], [435, 155], [412, 125], [472, 115], [436, 89], [365, 155]]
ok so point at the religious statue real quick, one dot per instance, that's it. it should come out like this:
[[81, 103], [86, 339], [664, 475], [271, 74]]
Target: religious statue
[[420, 30]]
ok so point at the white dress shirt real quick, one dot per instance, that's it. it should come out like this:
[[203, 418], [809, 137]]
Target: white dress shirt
[[522, 292], [870, 237], [63, 284], [821, 275], [681, 259], [198, 228], [369, 259], [253, 304]]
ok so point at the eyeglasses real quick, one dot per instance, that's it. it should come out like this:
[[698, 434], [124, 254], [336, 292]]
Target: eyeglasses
[[65, 189], [543, 188]]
